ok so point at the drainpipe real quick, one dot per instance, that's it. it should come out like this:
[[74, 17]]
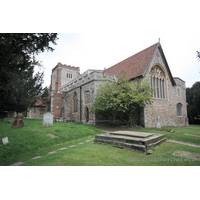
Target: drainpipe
[[80, 104]]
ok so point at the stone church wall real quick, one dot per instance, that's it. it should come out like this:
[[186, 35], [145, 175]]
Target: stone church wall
[[85, 87], [36, 112], [166, 108], [67, 73]]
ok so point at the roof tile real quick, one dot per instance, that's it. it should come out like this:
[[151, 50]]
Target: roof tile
[[135, 65]]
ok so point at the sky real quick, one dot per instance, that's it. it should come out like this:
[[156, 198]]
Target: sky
[[103, 50], [99, 34]]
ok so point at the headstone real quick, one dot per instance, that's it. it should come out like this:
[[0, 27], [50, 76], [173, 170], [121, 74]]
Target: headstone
[[48, 119], [158, 125], [5, 140], [18, 123]]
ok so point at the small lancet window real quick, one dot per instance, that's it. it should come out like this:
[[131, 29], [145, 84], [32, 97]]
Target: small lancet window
[[179, 109], [178, 91], [75, 103]]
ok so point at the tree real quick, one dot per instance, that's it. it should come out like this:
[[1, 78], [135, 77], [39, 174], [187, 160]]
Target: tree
[[18, 87], [198, 55], [122, 99], [193, 100]]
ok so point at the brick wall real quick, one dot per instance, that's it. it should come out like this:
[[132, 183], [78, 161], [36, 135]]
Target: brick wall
[[56, 104]]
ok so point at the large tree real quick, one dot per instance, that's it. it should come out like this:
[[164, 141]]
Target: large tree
[[193, 100], [18, 86], [122, 99]]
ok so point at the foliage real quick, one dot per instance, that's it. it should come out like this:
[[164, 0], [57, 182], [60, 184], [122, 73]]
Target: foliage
[[122, 99], [18, 86], [193, 108], [198, 55]]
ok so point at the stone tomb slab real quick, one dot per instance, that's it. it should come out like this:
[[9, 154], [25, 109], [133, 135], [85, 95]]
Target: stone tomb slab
[[132, 134], [17, 163], [136, 141]]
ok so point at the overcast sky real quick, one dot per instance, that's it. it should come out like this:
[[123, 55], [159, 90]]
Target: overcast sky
[[102, 50], [99, 34]]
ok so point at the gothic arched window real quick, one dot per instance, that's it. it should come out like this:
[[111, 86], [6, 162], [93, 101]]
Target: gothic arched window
[[158, 82], [75, 103], [179, 109]]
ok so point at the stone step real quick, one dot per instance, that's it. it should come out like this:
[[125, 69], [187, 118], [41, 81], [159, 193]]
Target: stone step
[[132, 134], [131, 142]]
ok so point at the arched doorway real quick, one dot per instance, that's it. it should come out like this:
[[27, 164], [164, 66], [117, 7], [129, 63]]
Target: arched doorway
[[87, 114]]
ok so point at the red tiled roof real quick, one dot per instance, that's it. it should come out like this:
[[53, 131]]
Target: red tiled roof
[[39, 103], [135, 65]]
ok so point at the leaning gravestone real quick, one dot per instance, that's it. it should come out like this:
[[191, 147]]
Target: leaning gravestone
[[48, 119], [18, 123]]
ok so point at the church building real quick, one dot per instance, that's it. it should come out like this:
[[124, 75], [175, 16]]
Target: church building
[[73, 93]]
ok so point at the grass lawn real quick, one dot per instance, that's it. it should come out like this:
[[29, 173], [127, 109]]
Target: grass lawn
[[32, 140]]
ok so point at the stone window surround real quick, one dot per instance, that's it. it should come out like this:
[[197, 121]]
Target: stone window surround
[[75, 104], [158, 81], [87, 119], [69, 75], [178, 91], [179, 109]]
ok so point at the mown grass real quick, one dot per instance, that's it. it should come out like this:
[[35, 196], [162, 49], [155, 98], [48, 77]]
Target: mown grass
[[180, 133], [33, 136], [32, 140], [90, 154]]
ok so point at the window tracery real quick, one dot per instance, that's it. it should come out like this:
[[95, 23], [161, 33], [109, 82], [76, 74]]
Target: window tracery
[[158, 82]]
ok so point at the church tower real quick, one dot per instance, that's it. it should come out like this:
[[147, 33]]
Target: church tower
[[61, 75]]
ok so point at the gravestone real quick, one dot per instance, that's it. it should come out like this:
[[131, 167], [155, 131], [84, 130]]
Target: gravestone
[[158, 125], [18, 123], [5, 140], [48, 119]]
